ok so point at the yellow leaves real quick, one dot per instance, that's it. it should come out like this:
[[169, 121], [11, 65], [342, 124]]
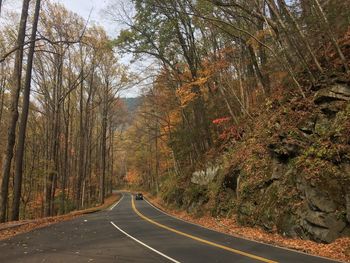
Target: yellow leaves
[[174, 117], [97, 37], [201, 81], [189, 91], [186, 95]]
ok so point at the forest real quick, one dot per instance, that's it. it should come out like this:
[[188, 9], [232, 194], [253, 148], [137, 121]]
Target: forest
[[245, 112], [60, 105]]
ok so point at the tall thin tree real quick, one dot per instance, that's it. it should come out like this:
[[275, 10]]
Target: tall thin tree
[[24, 117], [16, 89]]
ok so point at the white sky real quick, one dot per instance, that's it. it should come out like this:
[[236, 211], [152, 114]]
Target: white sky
[[82, 8], [96, 7]]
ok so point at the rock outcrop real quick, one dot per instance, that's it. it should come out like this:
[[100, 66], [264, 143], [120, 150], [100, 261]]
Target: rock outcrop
[[306, 190], [204, 177], [333, 92]]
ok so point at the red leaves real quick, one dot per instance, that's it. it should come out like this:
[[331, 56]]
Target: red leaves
[[228, 132], [233, 132], [220, 121]]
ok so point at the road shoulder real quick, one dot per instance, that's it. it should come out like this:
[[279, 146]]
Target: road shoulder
[[338, 250], [11, 229]]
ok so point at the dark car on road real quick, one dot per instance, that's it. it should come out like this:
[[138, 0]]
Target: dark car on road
[[139, 196]]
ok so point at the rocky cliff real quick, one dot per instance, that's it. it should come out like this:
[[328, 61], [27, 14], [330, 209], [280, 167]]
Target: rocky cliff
[[305, 189], [291, 171]]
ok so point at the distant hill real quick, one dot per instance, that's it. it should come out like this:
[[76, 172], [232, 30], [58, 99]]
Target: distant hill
[[132, 104]]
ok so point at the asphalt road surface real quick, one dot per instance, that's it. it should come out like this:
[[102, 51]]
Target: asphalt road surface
[[135, 231]]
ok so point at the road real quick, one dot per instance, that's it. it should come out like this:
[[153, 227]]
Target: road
[[135, 231]]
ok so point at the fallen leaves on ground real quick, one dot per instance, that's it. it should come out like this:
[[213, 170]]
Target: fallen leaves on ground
[[11, 229], [338, 250]]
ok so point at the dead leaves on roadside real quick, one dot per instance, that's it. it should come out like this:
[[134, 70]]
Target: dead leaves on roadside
[[11, 229], [338, 250]]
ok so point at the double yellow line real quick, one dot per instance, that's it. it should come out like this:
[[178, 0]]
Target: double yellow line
[[199, 239]]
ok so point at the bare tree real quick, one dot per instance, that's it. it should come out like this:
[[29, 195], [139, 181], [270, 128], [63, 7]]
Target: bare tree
[[11, 137], [24, 117], [331, 35]]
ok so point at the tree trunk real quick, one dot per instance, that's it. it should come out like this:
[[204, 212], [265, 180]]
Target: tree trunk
[[66, 161], [103, 144], [47, 187], [257, 71], [110, 159], [11, 137], [81, 142], [2, 93], [24, 118], [157, 158], [301, 35], [331, 36], [288, 64], [54, 140]]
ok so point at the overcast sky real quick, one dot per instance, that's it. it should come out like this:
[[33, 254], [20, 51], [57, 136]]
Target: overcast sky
[[83, 8]]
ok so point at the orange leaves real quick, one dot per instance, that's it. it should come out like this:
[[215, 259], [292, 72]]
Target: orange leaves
[[133, 177], [198, 83], [227, 131], [213, 66]]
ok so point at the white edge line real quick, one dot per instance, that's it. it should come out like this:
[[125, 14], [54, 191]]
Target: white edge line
[[150, 248], [244, 238], [117, 203]]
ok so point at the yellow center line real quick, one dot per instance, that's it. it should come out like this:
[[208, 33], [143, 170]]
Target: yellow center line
[[199, 239]]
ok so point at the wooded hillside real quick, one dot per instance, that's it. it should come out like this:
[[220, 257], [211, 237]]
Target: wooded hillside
[[248, 115]]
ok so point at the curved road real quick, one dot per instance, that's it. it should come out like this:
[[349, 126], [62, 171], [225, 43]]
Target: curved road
[[135, 231]]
